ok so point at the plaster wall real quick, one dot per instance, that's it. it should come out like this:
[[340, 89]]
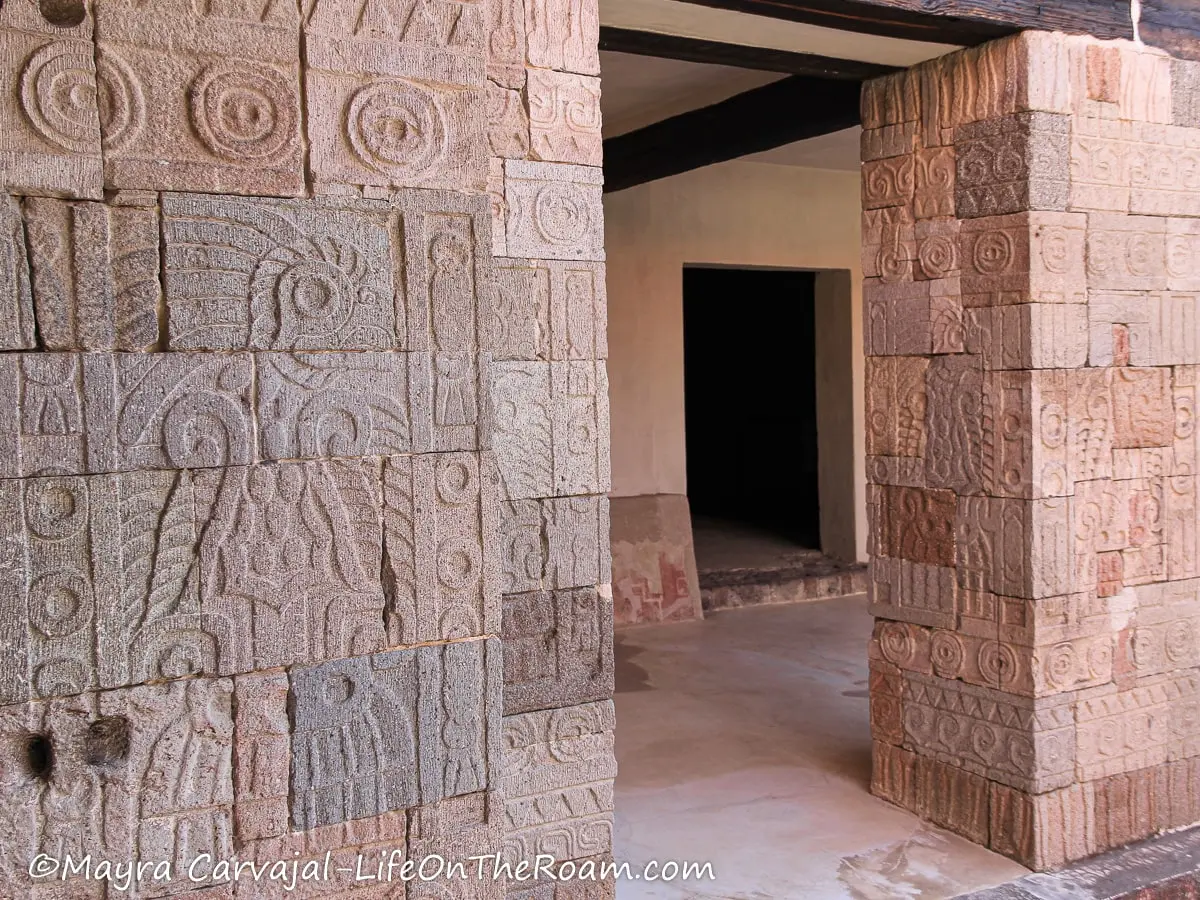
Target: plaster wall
[[743, 214]]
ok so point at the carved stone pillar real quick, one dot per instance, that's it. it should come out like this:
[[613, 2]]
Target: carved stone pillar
[[1031, 241]]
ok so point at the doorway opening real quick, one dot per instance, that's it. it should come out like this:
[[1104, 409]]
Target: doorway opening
[[750, 407]]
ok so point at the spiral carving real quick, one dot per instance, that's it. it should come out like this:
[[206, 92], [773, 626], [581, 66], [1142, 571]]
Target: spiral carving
[[396, 128], [58, 96], [243, 113]]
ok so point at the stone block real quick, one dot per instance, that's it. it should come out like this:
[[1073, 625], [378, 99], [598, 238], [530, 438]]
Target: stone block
[[550, 310], [1143, 408], [563, 35], [918, 525], [16, 298], [898, 318], [1014, 548], [505, 31], [1183, 254], [897, 404], [1102, 153], [1012, 164], [498, 206], [262, 753], [954, 452], [1123, 730], [937, 253], [49, 120], [564, 117], [458, 830], [888, 182], [389, 731], [888, 243], [1126, 253], [1024, 743], [551, 434], [1028, 336], [1103, 73], [320, 405], [508, 121], [933, 193], [553, 544], [1159, 159], [559, 769], [279, 276], [557, 649], [218, 112], [371, 69], [289, 562], [439, 533], [913, 592], [888, 140], [554, 210], [1151, 328], [890, 100], [1022, 258], [95, 274], [1045, 830]]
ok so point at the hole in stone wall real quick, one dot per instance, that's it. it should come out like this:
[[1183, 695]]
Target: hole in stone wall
[[62, 13], [107, 741], [39, 755]]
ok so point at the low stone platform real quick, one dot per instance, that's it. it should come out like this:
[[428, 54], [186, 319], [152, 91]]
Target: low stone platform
[[1162, 868], [741, 565]]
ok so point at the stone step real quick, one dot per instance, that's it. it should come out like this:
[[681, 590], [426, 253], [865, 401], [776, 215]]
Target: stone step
[[818, 580]]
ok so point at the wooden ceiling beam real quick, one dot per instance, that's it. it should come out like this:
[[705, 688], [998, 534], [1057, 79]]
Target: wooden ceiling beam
[[763, 59], [764, 118]]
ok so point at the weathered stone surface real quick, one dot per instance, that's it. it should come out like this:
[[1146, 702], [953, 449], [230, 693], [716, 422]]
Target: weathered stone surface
[[440, 521], [896, 406], [16, 299], [289, 562], [389, 731], [551, 428], [899, 318], [49, 120], [552, 544], [505, 31], [554, 211], [550, 310], [558, 771], [563, 35], [262, 752], [458, 830], [220, 114], [95, 274], [279, 276], [564, 117], [557, 648], [508, 121], [1011, 164]]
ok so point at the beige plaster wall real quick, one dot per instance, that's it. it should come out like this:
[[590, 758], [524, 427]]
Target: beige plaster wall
[[737, 213]]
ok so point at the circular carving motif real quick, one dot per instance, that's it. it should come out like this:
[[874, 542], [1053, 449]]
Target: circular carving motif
[[396, 128], [1056, 250], [993, 253], [561, 214], [1180, 640], [1061, 665], [59, 677], [997, 662], [896, 643], [457, 563], [120, 100], [58, 95], [55, 509], [938, 255], [338, 689], [243, 113], [455, 482], [59, 604], [946, 650]]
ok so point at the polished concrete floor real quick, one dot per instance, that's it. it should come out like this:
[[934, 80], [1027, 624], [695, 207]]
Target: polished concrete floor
[[742, 740]]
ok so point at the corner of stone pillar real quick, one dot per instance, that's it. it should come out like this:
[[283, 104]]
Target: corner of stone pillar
[[1031, 253]]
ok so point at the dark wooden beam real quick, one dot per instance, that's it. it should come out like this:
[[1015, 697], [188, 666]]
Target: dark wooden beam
[[965, 22], [763, 59], [1172, 25], [775, 114]]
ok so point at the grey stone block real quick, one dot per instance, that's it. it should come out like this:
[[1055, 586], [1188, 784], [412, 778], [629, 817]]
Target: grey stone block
[[439, 538], [1012, 164], [393, 730], [554, 543], [289, 562], [557, 649], [322, 405], [95, 274], [550, 310], [274, 275], [550, 750], [552, 426], [16, 299], [554, 210]]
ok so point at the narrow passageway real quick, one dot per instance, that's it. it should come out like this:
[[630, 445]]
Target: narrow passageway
[[743, 740]]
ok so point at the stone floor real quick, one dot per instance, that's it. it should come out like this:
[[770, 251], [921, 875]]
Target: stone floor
[[743, 740]]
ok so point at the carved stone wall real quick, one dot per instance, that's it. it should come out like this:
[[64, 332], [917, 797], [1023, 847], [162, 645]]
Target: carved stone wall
[[303, 318], [1030, 235]]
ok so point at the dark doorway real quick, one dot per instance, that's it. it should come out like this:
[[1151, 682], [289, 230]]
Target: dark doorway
[[750, 400]]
